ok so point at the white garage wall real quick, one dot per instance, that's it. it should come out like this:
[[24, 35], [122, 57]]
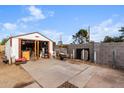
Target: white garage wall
[[7, 49], [51, 48], [15, 48]]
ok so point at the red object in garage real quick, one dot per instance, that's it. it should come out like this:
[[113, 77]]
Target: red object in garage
[[21, 60]]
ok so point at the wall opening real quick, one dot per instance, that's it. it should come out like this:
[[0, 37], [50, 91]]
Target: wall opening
[[83, 53]]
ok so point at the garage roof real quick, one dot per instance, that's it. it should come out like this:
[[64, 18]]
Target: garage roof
[[31, 33]]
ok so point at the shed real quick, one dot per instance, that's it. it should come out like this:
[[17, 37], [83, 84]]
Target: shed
[[30, 45]]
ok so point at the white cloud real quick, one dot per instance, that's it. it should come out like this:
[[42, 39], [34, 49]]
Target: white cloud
[[54, 35], [19, 33], [9, 26], [51, 13], [67, 39], [21, 26], [98, 31], [35, 14], [115, 15], [106, 23], [105, 28]]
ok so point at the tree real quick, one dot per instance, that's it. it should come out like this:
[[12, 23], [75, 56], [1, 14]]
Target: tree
[[122, 32], [4, 41], [115, 39], [112, 39], [108, 39], [80, 37]]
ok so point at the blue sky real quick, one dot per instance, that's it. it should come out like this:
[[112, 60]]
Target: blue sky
[[54, 21]]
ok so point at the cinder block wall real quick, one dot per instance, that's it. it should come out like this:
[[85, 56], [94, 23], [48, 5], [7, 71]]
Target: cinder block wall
[[104, 53], [90, 46]]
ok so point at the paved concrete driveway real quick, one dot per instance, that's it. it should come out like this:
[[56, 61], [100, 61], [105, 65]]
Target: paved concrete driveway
[[53, 73]]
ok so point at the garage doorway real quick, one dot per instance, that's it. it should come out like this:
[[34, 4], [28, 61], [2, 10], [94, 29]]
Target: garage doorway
[[32, 49]]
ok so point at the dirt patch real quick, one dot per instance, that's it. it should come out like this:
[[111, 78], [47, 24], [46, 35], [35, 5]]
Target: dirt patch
[[12, 75], [78, 62], [23, 84]]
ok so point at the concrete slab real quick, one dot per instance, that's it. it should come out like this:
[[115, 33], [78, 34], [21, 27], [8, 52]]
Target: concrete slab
[[82, 79], [54, 74]]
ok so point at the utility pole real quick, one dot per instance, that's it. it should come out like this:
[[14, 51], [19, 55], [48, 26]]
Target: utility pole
[[89, 33], [60, 42]]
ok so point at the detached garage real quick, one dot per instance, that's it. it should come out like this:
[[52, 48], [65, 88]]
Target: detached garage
[[29, 46]]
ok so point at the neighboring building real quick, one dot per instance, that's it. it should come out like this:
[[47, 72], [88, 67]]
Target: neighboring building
[[31, 45]]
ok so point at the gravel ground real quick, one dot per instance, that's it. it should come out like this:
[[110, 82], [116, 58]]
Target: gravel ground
[[13, 76]]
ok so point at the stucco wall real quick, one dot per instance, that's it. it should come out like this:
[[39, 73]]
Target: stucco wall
[[15, 48]]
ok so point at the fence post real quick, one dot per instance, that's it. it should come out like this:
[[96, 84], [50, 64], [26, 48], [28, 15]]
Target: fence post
[[114, 59]]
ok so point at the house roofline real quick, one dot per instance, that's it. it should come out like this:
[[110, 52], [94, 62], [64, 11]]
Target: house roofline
[[29, 34]]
